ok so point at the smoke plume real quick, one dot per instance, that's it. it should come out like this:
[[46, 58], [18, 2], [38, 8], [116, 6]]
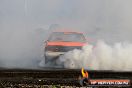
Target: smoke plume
[[99, 57], [26, 24]]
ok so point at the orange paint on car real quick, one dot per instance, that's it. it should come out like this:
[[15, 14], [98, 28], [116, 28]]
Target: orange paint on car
[[66, 43]]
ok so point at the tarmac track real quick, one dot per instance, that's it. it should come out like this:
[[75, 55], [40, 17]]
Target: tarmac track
[[48, 76]]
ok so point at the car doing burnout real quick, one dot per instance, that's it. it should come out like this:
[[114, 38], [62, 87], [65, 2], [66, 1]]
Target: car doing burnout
[[60, 42]]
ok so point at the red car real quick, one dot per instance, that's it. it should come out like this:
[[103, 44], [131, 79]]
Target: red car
[[61, 42]]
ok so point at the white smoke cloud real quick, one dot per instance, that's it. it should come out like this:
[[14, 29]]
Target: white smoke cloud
[[19, 48], [100, 57], [22, 46]]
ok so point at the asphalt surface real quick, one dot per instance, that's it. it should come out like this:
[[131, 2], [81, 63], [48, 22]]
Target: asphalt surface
[[55, 76]]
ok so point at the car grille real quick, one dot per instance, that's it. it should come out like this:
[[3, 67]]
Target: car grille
[[61, 48]]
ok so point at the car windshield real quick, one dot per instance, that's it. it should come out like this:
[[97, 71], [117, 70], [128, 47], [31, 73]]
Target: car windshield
[[67, 37]]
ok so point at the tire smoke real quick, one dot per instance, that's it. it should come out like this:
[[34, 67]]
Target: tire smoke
[[100, 57]]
